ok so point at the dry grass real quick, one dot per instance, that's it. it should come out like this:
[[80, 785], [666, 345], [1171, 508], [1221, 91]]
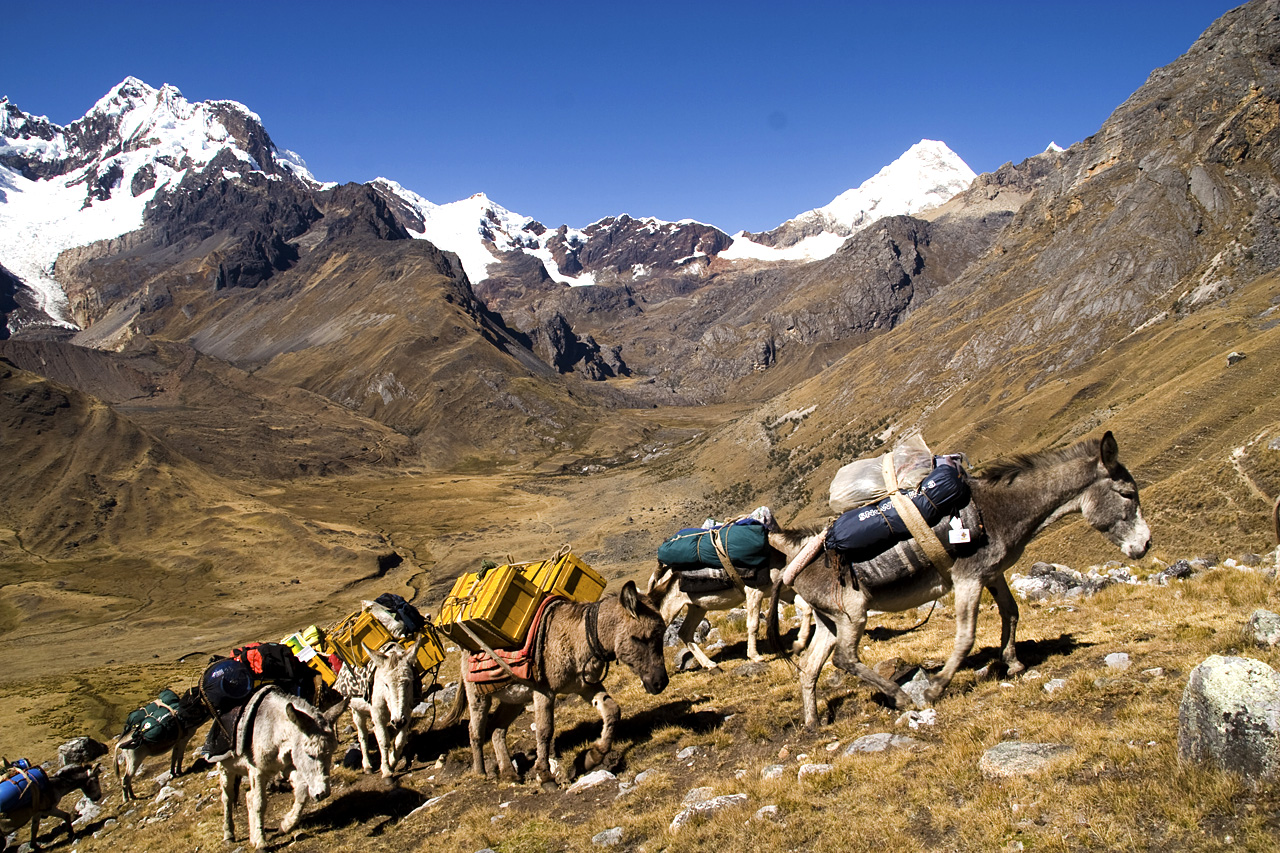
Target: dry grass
[[1121, 787]]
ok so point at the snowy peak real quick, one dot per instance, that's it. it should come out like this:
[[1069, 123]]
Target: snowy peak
[[925, 176], [136, 125], [93, 179]]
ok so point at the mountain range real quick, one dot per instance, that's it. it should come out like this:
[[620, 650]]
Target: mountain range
[[189, 311]]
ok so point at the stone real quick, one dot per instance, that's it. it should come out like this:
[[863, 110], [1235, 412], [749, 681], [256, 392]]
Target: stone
[[770, 812], [1018, 758], [880, 742], [698, 795], [1117, 660], [916, 687], [687, 753], [751, 668], [1264, 627], [608, 838], [773, 771], [1180, 570], [81, 750], [167, 793], [591, 780], [643, 776], [814, 770], [1230, 716], [1053, 685], [705, 808]]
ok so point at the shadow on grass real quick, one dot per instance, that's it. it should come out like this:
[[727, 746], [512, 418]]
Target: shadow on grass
[[364, 806]]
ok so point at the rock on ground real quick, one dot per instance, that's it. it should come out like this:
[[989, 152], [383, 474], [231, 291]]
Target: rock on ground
[[1017, 758], [1230, 716]]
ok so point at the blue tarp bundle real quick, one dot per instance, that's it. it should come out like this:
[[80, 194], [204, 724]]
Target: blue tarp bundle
[[20, 785], [868, 531]]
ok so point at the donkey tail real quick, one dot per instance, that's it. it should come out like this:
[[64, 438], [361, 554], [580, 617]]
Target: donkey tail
[[771, 625], [454, 714]]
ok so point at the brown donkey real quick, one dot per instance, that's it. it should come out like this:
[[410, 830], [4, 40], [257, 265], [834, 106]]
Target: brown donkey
[[578, 642]]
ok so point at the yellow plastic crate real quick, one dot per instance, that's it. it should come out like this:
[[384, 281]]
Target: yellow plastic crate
[[567, 576], [497, 605], [354, 636]]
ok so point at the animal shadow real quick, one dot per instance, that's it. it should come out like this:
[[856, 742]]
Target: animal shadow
[[364, 805]]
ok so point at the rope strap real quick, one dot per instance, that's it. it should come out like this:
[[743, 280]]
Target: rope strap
[[934, 551]]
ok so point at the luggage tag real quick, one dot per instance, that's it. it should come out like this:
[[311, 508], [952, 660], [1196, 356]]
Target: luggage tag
[[958, 534]]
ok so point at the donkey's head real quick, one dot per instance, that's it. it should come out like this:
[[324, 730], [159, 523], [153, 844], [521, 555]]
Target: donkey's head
[[311, 750], [1110, 503], [636, 633], [73, 776], [393, 682]]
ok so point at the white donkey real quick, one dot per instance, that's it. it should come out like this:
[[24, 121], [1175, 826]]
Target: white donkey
[[381, 697], [277, 734]]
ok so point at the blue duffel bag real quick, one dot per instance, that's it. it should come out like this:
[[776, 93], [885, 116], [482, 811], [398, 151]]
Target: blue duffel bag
[[19, 785], [868, 531]]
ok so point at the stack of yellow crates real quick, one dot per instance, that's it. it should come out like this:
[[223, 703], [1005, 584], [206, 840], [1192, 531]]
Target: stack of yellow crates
[[355, 635], [498, 604]]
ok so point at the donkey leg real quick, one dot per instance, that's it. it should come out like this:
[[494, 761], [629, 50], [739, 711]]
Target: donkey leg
[[1008, 607], [358, 720], [500, 722], [256, 805], [230, 785], [692, 616], [754, 598], [544, 715], [294, 814], [477, 728], [849, 630], [609, 715], [810, 666], [968, 598], [386, 741]]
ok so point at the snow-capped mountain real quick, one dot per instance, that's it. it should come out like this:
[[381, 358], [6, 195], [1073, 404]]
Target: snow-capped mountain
[[93, 180], [69, 186], [928, 174], [481, 232]]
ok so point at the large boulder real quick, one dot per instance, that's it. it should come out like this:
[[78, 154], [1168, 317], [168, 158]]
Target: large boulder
[[1230, 716]]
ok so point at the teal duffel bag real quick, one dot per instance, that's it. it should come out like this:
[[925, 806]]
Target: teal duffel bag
[[746, 541]]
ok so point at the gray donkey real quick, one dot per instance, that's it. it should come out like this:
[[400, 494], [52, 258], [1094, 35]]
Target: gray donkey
[[578, 641], [1012, 502], [277, 734], [381, 696]]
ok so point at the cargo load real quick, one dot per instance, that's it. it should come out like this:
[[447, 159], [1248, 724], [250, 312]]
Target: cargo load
[[870, 480], [156, 722], [312, 647], [18, 786], [746, 542], [375, 625], [497, 604], [865, 532]]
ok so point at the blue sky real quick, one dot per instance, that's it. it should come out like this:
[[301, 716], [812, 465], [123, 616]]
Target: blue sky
[[740, 115]]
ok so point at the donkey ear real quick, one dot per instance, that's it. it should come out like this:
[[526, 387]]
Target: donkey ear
[[1109, 451], [630, 599], [332, 714]]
